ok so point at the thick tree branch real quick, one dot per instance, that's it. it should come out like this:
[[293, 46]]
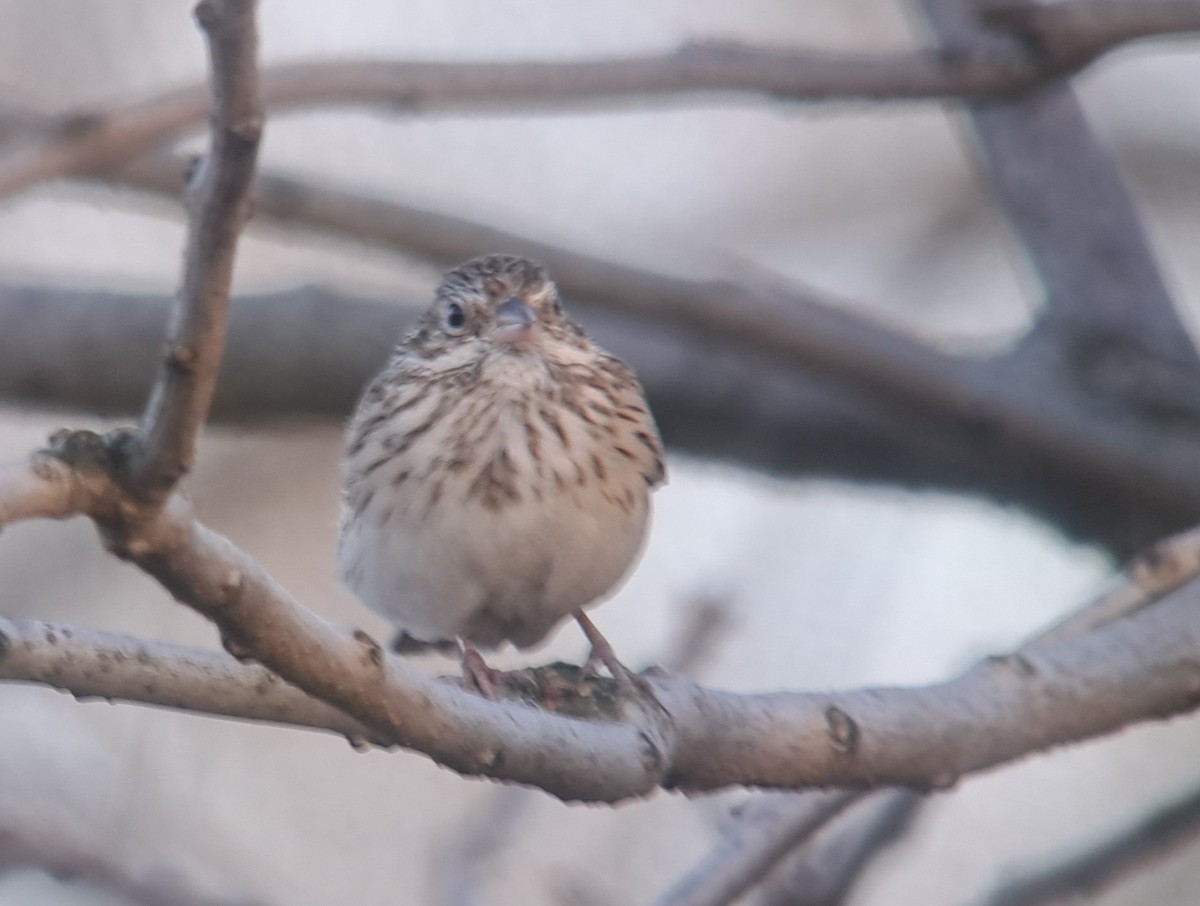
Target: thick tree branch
[[217, 210], [570, 758], [1141, 666], [305, 352], [821, 871], [1093, 872], [989, 715], [82, 143]]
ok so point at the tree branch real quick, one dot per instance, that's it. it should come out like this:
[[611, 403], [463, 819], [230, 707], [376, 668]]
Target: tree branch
[[98, 664], [823, 871], [86, 142], [40, 490], [1018, 426], [761, 832], [1107, 305], [181, 398], [1141, 666], [1022, 418]]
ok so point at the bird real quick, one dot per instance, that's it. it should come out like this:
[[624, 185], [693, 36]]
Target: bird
[[498, 473]]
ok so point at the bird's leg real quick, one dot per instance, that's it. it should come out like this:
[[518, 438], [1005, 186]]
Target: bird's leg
[[476, 671], [602, 653]]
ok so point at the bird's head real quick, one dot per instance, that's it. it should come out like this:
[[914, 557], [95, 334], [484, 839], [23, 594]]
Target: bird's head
[[493, 304]]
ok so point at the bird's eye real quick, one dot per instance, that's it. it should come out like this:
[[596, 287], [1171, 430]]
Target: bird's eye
[[558, 309], [455, 316]]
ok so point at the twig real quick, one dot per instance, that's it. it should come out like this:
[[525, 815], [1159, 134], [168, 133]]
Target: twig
[[765, 829], [82, 143], [41, 489], [1090, 874], [217, 210], [823, 871], [1155, 573]]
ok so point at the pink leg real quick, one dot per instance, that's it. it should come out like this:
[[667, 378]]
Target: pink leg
[[477, 673], [602, 653]]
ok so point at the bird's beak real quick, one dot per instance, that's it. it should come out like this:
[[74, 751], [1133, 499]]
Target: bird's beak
[[514, 321]]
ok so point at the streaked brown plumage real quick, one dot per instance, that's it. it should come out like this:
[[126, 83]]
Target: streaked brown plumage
[[499, 470]]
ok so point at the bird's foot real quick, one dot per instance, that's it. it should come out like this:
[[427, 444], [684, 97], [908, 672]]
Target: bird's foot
[[477, 674], [628, 682]]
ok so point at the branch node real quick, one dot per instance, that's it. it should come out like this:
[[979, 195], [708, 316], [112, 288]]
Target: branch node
[[82, 450], [180, 359], [653, 756], [248, 130], [237, 649], [374, 650], [232, 584], [843, 730]]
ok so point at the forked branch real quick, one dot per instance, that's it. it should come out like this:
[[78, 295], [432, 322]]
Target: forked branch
[[1138, 664]]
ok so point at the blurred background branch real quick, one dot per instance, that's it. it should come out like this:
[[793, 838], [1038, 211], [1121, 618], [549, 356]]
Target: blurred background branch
[[1090, 422], [1062, 40]]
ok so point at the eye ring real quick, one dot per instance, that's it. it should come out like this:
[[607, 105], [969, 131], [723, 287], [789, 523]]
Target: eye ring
[[456, 318]]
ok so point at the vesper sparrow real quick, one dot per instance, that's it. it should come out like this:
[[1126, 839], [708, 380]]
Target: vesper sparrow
[[498, 471]]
